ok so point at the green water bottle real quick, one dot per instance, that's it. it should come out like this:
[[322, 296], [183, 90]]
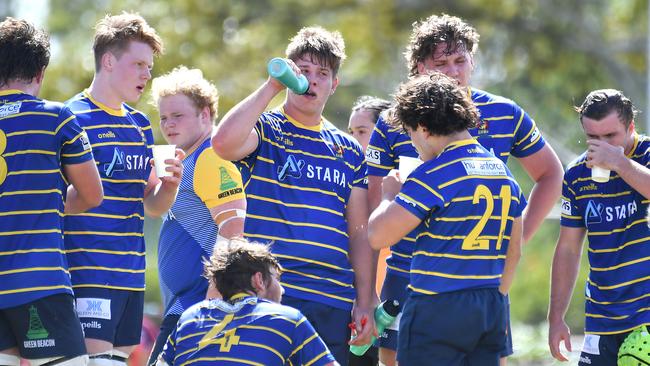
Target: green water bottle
[[385, 315], [280, 70]]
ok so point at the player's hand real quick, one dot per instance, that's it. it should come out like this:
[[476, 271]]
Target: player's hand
[[604, 155], [559, 332], [364, 325], [391, 185], [175, 166], [278, 86]]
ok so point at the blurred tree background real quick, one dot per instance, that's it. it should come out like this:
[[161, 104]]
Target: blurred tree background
[[545, 54]]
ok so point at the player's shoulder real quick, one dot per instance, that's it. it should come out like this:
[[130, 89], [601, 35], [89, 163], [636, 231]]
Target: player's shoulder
[[481, 97], [80, 102], [204, 154], [575, 166], [279, 310]]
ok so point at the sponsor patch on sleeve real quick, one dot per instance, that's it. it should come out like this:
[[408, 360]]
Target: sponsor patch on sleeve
[[372, 155], [534, 135], [566, 207], [85, 142]]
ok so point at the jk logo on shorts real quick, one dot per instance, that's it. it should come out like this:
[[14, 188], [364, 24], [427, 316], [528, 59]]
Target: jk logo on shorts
[[292, 168], [94, 308]]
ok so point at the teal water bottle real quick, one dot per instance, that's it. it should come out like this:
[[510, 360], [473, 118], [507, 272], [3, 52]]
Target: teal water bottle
[[385, 315], [280, 70]]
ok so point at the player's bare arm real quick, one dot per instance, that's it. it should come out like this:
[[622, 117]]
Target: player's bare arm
[[236, 137], [545, 169], [513, 255], [566, 263], [85, 190], [356, 215]]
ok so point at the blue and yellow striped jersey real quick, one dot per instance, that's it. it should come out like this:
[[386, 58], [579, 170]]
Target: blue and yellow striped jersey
[[251, 331], [188, 233], [37, 138], [614, 215], [105, 246], [467, 200], [297, 184], [504, 128]]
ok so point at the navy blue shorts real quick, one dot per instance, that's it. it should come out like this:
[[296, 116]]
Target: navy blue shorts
[[111, 315], [455, 328], [508, 351], [601, 350], [166, 328], [330, 323], [394, 288], [45, 328]]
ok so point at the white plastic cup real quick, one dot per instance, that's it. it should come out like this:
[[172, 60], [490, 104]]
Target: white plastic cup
[[599, 174], [407, 165], [160, 154]]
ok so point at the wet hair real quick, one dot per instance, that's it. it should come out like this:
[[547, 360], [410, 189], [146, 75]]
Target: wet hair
[[234, 262], [435, 102], [325, 47], [115, 32], [437, 29], [192, 84], [372, 104], [24, 51], [600, 103]]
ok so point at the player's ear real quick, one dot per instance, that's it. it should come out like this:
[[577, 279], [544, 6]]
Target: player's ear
[[257, 281], [107, 61]]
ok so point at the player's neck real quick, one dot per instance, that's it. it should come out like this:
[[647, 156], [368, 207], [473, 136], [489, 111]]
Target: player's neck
[[30, 88], [101, 91], [307, 118], [441, 142]]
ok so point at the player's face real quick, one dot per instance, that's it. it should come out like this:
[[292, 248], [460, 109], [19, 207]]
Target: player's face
[[274, 290], [361, 125], [131, 71], [611, 130], [419, 139], [322, 84], [181, 122], [457, 63]]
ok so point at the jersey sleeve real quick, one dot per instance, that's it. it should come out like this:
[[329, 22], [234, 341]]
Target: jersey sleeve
[[309, 347], [570, 211], [75, 145], [379, 153], [418, 197], [527, 138], [168, 353], [216, 181]]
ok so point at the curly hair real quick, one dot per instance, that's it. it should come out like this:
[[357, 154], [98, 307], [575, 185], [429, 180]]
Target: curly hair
[[323, 46], [114, 32], [234, 262], [192, 84], [600, 103], [24, 50], [434, 102], [437, 29]]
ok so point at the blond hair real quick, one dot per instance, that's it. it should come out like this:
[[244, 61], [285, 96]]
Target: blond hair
[[189, 82]]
